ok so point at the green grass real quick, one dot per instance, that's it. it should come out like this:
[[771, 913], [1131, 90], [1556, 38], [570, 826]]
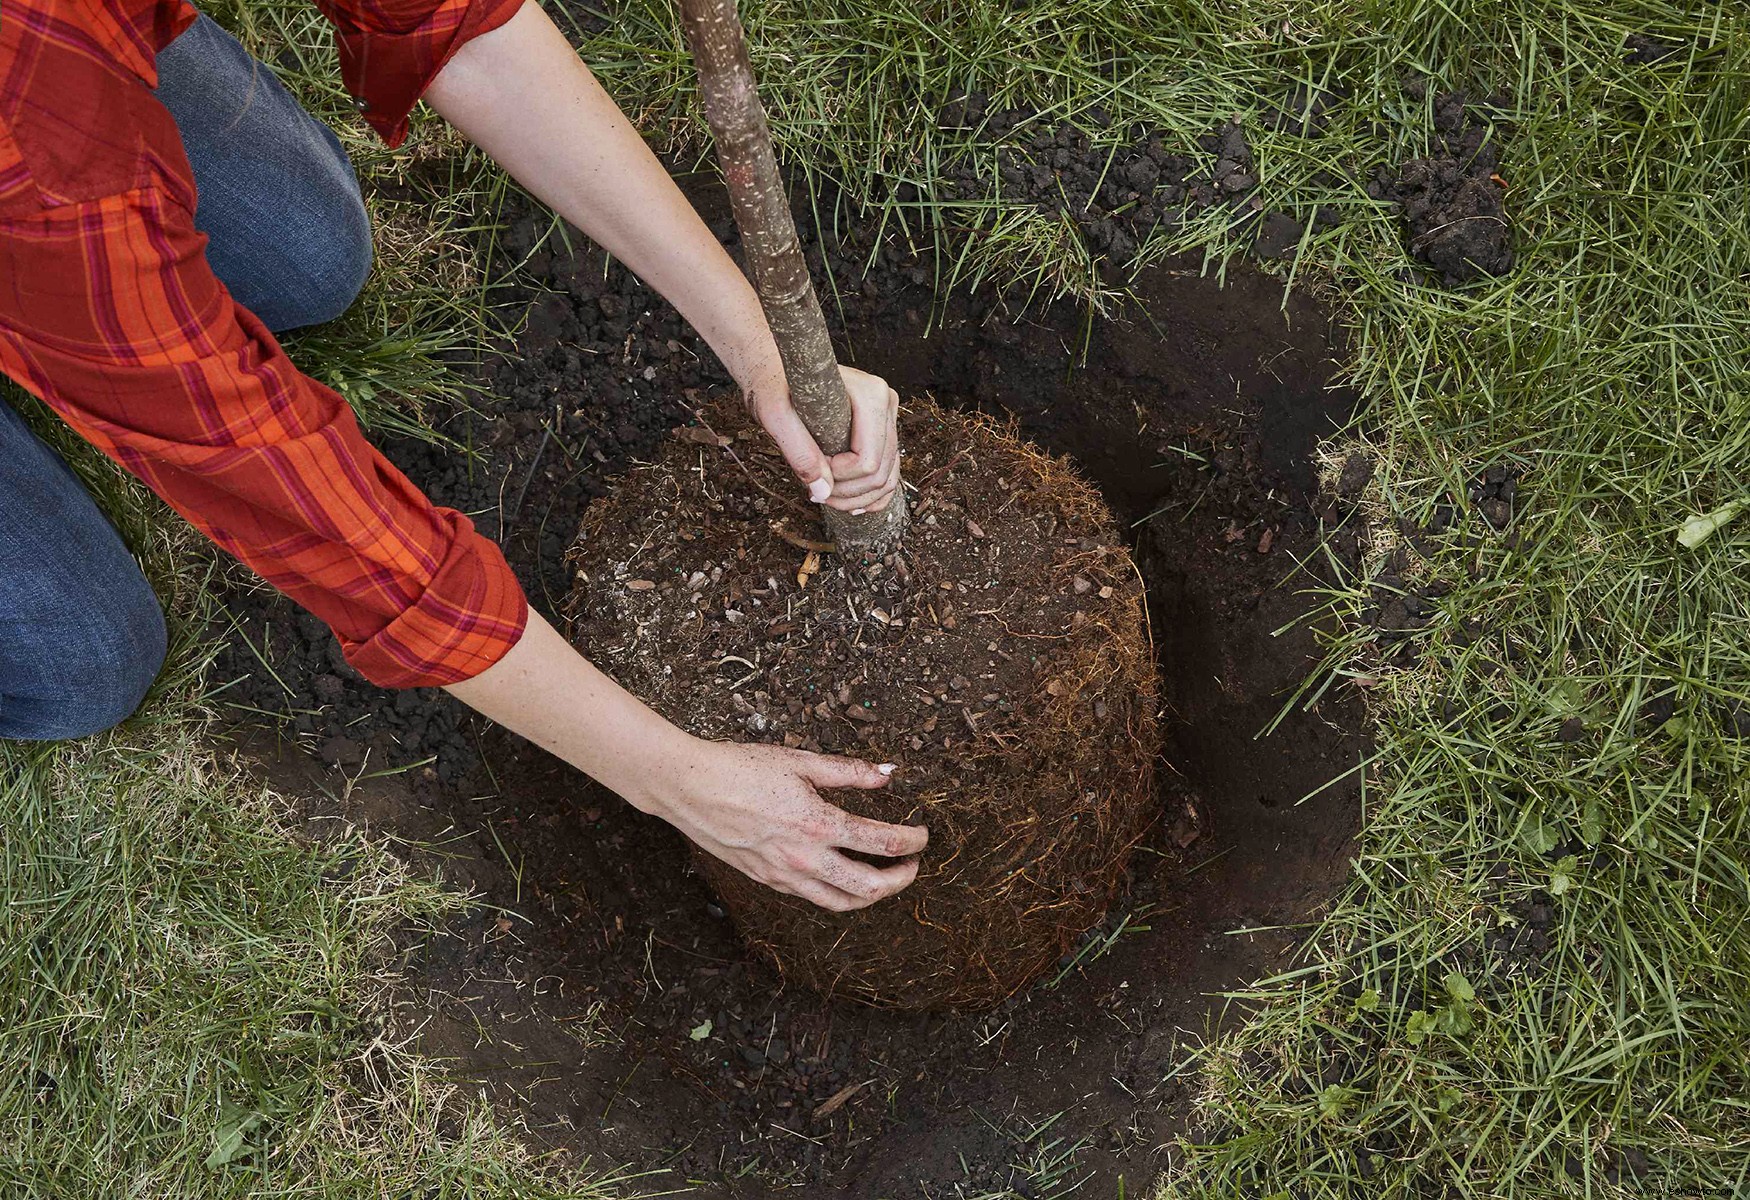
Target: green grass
[[194, 978]]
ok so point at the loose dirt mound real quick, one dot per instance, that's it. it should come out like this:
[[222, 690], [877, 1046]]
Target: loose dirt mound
[[1453, 202], [1001, 656]]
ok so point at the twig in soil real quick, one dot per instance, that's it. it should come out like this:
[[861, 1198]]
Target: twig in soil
[[506, 519], [837, 1100], [930, 479], [802, 543]]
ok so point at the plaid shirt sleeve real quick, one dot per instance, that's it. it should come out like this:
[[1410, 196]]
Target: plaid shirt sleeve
[[391, 50], [110, 313]]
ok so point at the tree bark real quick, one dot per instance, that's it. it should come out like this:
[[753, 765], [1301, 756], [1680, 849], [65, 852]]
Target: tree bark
[[780, 273]]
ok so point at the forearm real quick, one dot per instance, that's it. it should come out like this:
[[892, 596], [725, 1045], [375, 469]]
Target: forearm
[[546, 691], [755, 807], [521, 94]]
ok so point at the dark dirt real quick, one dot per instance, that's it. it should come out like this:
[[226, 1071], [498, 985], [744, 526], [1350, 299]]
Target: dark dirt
[[1453, 202], [1115, 196], [1000, 656], [1645, 50], [574, 998], [1117, 187]]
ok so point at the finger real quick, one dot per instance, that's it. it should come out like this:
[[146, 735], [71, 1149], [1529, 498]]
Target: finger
[[799, 450], [872, 422], [828, 771], [847, 487], [880, 838], [866, 881], [873, 501], [824, 895]]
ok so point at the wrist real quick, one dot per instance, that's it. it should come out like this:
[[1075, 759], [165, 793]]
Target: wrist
[[657, 777], [755, 365]]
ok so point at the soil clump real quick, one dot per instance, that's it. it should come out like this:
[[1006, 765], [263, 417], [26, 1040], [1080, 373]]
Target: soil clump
[[1453, 202], [602, 995]]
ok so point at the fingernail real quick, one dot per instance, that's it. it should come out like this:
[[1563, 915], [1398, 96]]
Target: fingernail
[[888, 768], [819, 490], [857, 512]]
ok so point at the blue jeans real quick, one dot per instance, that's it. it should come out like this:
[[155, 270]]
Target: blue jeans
[[81, 635]]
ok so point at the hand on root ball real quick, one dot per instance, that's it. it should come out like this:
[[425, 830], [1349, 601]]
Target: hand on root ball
[[756, 808], [864, 478]]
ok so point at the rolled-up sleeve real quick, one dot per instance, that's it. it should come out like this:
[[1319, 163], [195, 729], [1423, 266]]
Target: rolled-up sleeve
[[391, 50], [110, 313]]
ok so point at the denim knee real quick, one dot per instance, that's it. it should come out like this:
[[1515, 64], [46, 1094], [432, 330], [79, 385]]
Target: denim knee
[[333, 263], [93, 670], [287, 231]]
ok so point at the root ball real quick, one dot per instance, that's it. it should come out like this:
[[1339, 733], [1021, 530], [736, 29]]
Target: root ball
[[1001, 656]]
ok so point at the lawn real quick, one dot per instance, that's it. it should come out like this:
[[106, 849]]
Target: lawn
[[1536, 982]]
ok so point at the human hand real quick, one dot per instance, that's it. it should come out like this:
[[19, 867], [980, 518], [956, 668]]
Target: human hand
[[756, 808], [864, 478]]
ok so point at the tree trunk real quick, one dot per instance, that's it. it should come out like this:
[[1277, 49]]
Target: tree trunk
[[780, 273]]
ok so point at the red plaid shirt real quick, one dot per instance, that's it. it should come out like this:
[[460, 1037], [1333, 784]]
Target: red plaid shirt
[[109, 313]]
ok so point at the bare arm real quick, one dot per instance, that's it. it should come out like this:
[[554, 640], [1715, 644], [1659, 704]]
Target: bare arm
[[521, 94], [754, 807]]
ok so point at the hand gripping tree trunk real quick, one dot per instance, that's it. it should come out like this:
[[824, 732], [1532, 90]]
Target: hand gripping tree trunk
[[762, 213]]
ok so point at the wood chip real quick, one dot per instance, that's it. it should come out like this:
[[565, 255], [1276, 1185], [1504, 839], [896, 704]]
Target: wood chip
[[837, 1100], [1265, 542], [810, 566], [1186, 828], [700, 435], [803, 543], [640, 585], [974, 528]]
